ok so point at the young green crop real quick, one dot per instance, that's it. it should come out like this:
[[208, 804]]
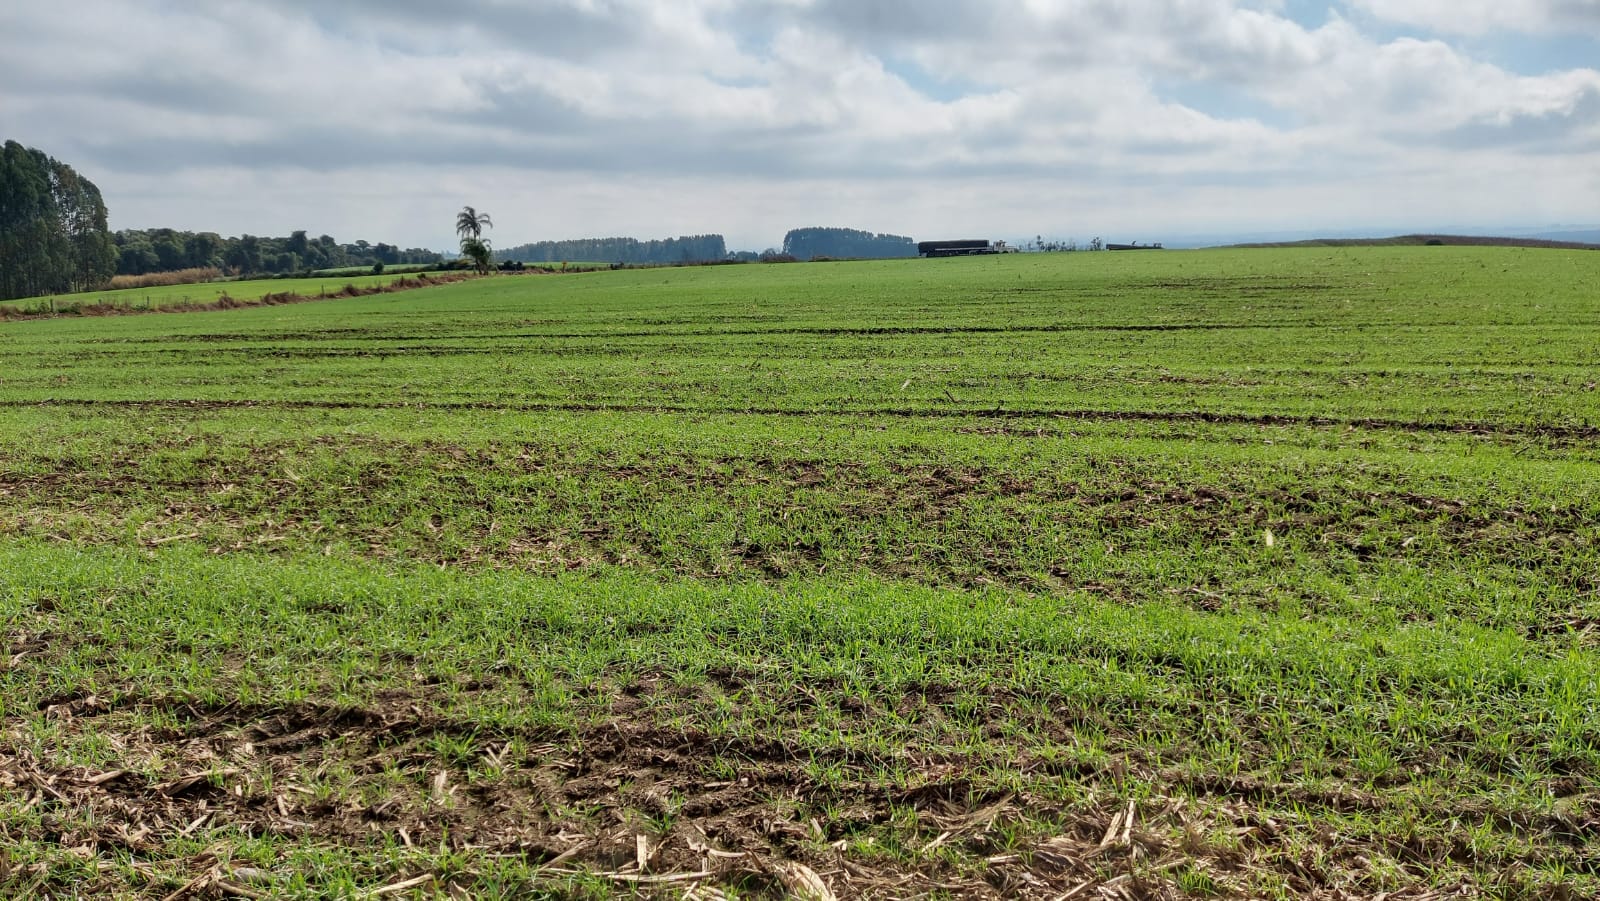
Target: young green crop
[[918, 571]]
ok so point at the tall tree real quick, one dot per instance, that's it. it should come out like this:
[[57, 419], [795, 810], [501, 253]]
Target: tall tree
[[53, 235], [91, 254], [470, 224], [26, 222]]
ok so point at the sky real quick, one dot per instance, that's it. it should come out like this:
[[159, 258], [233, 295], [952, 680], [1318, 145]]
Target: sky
[[1127, 119]]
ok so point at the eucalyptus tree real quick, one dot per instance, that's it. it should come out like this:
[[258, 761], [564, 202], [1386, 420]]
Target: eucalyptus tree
[[53, 235]]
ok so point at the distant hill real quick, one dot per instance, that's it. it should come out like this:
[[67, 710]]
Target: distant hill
[[1437, 240]]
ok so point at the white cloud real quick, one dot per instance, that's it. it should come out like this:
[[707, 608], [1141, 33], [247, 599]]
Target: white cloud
[[262, 116]]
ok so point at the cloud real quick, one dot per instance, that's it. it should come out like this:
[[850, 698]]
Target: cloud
[[1487, 16], [1570, 126], [809, 107]]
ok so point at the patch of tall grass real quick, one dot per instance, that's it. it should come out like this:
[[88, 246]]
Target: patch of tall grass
[[193, 276]]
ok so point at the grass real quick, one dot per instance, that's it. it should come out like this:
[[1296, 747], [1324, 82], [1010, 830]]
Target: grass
[[197, 294], [1222, 573]]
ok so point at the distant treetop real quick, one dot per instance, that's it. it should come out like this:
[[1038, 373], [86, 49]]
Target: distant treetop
[[686, 249], [845, 243]]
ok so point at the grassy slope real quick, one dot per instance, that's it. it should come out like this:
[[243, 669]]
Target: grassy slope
[[977, 547]]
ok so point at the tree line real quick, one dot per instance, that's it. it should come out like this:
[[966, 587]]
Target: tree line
[[53, 236], [845, 243], [141, 251], [54, 240], [687, 249]]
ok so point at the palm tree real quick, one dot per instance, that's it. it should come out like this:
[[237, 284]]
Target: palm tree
[[470, 223]]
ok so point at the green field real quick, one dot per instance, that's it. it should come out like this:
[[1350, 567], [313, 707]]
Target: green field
[[199, 294], [1249, 573]]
